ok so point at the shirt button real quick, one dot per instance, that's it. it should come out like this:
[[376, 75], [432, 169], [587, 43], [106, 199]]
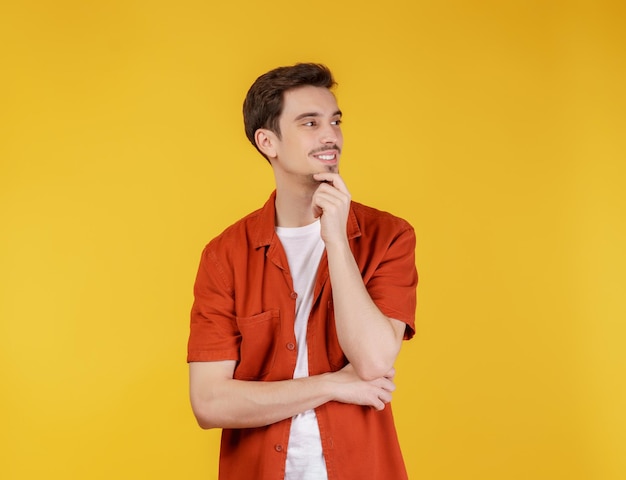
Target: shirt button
[[278, 447], [290, 346], [293, 295]]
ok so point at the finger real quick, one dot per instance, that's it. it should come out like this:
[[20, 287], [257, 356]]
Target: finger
[[331, 190], [317, 211], [334, 179], [331, 195], [380, 405], [329, 205], [388, 385], [385, 397], [325, 200], [325, 176]]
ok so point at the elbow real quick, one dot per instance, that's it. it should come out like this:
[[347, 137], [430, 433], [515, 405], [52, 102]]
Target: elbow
[[204, 423], [205, 416], [207, 423], [206, 426], [373, 367], [372, 370]]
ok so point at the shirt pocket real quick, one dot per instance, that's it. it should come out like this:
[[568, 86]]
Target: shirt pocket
[[259, 339]]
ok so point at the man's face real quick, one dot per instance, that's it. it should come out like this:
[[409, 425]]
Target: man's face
[[311, 138]]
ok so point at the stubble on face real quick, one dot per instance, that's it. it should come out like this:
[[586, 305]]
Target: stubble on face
[[328, 169], [321, 106], [331, 168]]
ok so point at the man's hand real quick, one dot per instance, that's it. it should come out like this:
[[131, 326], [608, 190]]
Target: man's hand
[[219, 401], [352, 389], [331, 202]]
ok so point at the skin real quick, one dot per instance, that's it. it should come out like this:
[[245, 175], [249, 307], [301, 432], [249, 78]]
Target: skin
[[305, 160]]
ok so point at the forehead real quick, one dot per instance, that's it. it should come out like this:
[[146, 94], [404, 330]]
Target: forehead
[[308, 99]]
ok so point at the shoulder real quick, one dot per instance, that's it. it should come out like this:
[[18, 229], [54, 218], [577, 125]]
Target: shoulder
[[227, 251], [250, 232], [237, 235], [371, 219]]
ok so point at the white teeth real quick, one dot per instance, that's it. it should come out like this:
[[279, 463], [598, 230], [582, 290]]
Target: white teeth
[[326, 157]]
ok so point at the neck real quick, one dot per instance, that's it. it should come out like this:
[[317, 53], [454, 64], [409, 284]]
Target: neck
[[293, 205]]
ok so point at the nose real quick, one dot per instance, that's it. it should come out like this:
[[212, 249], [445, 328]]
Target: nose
[[330, 134]]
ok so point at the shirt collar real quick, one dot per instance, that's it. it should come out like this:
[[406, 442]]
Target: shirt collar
[[266, 221]]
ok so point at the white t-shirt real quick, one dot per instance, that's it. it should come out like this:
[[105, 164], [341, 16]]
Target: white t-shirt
[[304, 248]]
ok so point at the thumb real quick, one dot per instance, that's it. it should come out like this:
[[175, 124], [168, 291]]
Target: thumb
[[317, 211]]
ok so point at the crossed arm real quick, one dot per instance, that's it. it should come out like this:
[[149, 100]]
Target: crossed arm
[[370, 340], [219, 401]]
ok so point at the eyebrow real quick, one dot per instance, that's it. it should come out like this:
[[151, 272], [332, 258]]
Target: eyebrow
[[315, 114]]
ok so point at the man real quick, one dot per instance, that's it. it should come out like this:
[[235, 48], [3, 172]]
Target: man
[[301, 307]]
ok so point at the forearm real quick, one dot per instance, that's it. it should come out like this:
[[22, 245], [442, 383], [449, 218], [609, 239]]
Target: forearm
[[370, 340], [246, 404], [219, 401]]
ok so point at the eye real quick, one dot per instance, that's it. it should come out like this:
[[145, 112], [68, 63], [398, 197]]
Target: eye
[[337, 122], [312, 123]]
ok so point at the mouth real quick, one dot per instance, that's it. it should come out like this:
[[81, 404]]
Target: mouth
[[327, 156]]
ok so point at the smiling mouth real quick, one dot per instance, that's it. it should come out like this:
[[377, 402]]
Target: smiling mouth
[[328, 155]]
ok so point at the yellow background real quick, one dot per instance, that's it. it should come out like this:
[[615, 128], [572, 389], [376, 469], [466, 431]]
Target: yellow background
[[496, 128]]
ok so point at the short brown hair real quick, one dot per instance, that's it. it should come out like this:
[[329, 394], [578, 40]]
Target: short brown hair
[[264, 102]]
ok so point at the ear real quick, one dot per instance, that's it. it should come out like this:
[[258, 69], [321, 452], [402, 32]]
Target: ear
[[266, 141]]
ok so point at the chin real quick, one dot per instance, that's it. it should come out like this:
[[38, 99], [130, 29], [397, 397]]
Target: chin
[[334, 168]]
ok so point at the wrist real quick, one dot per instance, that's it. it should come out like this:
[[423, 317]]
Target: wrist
[[337, 245], [326, 386]]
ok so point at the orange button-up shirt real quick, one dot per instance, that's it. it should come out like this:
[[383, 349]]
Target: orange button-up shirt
[[244, 310]]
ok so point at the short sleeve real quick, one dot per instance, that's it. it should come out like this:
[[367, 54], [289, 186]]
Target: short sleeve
[[393, 285], [213, 332]]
